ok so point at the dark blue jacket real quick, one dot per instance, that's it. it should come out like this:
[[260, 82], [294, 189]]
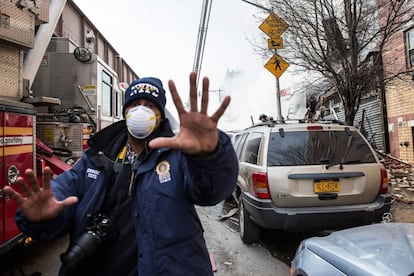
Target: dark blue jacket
[[166, 187]]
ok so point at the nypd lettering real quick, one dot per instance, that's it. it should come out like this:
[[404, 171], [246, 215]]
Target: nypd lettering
[[144, 88], [163, 171], [92, 173]]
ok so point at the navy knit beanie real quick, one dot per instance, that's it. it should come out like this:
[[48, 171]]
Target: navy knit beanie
[[148, 88]]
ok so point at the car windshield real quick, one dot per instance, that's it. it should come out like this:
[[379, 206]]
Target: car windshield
[[288, 148]]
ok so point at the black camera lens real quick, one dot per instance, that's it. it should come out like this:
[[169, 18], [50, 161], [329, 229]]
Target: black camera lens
[[99, 232], [84, 247]]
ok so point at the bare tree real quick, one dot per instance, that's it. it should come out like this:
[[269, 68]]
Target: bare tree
[[341, 42]]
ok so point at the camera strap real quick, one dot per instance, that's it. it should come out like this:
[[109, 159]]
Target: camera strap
[[124, 168]]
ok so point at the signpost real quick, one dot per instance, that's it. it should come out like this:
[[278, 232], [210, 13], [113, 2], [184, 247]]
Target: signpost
[[274, 27]]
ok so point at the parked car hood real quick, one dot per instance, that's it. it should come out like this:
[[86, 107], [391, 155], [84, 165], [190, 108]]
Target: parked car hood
[[383, 248]]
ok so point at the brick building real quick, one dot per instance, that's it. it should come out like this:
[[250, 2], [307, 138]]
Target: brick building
[[398, 65]]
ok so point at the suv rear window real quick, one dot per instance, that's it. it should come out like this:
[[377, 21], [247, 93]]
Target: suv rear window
[[252, 149], [288, 148]]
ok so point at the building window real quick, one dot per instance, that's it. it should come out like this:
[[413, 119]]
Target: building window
[[106, 94], [410, 47]]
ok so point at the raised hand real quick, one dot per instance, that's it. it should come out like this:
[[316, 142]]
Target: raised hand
[[198, 132], [38, 203]]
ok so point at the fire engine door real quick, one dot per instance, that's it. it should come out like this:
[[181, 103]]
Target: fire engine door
[[16, 155]]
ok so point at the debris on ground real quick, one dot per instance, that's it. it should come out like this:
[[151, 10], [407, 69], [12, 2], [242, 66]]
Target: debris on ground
[[401, 179], [401, 188]]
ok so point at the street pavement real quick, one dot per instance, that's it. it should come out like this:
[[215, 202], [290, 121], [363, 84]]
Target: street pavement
[[230, 256]]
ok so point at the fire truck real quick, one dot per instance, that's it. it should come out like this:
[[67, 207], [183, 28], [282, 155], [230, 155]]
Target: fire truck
[[54, 94], [76, 94]]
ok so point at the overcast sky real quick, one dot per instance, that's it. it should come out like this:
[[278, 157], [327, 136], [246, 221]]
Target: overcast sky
[[158, 38]]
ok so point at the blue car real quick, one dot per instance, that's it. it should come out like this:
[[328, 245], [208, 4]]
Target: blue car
[[376, 249]]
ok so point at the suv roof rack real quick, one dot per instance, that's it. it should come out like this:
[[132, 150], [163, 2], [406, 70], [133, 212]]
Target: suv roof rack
[[272, 122]]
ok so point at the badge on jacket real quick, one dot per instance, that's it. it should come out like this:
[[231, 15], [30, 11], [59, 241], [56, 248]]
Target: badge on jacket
[[163, 171]]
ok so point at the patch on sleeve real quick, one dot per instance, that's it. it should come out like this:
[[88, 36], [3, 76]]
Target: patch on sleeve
[[92, 173], [163, 171]]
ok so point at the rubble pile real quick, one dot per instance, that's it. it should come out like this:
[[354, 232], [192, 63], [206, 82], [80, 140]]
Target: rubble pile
[[401, 179]]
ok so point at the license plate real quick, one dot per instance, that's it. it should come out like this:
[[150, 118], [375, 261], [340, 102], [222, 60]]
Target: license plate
[[326, 186]]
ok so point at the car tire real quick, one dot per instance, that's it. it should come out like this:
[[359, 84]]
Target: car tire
[[249, 231]]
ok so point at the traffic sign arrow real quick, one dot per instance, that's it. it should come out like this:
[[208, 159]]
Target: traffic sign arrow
[[277, 65], [273, 26], [275, 43]]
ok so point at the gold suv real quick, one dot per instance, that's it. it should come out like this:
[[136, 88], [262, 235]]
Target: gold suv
[[300, 176]]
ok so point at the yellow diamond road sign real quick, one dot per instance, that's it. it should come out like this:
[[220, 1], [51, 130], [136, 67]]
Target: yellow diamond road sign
[[273, 26], [277, 65]]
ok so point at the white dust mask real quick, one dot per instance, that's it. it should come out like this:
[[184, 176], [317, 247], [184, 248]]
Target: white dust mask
[[140, 121]]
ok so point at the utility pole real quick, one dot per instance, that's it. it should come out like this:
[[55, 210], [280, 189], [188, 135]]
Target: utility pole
[[202, 33]]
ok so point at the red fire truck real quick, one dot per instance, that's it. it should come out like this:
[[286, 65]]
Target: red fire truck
[[53, 96]]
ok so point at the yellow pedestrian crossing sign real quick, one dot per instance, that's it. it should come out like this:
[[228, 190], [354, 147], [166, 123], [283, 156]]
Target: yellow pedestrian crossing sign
[[277, 65]]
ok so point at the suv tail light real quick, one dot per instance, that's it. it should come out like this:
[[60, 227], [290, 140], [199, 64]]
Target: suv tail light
[[384, 181], [261, 185]]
